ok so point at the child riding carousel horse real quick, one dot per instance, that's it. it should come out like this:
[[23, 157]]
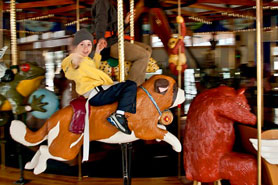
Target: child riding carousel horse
[[94, 84], [97, 86]]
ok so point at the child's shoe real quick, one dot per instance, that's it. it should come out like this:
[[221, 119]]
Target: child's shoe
[[119, 121]]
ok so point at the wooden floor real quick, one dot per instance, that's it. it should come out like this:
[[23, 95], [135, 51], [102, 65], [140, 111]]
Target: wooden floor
[[9, 175]]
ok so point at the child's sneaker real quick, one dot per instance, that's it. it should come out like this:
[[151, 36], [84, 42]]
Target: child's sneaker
[[120, 122]]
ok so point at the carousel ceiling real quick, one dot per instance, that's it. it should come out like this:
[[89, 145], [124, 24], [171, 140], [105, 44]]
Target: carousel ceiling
[[195, 12]]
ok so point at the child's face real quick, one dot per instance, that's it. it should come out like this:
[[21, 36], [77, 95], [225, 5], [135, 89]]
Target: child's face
[[84, 48]]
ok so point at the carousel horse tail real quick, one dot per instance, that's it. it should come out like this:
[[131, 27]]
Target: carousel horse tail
[[20, 133]]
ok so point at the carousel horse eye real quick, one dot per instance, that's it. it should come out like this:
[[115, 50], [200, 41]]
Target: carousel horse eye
[[25, 67]]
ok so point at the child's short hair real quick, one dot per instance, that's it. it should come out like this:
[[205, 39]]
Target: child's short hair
[[81, 35]]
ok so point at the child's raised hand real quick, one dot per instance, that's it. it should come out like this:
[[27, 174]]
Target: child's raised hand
[[76, 59], [127, 18], [101, 45]]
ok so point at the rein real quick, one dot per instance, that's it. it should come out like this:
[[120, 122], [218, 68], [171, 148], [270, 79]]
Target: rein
[[150, 96]]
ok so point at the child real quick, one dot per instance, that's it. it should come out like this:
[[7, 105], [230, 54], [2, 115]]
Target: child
[[96, 85]]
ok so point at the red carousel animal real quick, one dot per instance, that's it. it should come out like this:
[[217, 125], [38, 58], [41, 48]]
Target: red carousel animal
[[174, 46], [64, 145], [209, 138]]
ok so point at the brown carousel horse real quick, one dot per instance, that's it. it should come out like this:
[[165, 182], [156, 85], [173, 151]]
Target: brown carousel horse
[[64, 145]]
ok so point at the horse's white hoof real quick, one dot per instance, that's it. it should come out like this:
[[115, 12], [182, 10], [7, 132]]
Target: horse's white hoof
[[39, 169], [177, 148], [29, 166]]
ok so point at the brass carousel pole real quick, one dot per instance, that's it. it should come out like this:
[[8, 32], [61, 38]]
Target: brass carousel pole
[[179, 85], [259, 23], [121, 39], [77, 29], [77, 16], [14, 63], [13, 32], [126, 147], [1, 24], [2, 133], [132, 21]]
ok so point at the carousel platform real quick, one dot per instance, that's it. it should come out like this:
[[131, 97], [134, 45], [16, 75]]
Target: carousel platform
[[10, 175]]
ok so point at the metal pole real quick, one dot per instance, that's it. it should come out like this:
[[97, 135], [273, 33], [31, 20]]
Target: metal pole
[[21, 180], [1, 24], [126, 162], [121, 39], [132, 21], [2, 134], [79, 154], [126, 147], [79, 166], [14, 62], [77, 16], [179, 84], [13, 32], [259, 23], [2, 143]]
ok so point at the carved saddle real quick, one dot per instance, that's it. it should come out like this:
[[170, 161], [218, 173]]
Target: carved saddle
[[78, 118]]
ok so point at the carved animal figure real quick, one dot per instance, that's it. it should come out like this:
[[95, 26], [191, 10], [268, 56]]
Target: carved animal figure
[[209, 137], [161, 27], [64, 145], [174, 46], [12, 93]]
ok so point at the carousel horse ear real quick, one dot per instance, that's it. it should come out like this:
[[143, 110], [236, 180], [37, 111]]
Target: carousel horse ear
[[161, 86]]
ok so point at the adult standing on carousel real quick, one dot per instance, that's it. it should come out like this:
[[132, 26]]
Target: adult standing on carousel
[[104, 14]]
